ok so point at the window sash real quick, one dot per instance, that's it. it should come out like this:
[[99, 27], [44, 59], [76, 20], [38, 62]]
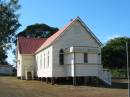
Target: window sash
[[85, 58], [61, 57]]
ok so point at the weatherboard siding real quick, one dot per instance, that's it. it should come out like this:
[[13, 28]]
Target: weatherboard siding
[[44, 62], [19, 64], [27, 59], [76, 35]]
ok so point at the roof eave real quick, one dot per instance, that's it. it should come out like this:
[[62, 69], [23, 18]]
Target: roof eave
[[92, 34]]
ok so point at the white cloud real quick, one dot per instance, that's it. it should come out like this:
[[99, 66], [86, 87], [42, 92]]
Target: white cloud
[[112, 37]]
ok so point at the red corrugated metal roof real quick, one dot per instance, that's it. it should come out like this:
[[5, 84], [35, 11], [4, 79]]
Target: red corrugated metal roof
[[29, 45]]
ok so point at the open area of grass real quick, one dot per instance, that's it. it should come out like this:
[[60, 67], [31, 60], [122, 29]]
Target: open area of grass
[[13, 87]]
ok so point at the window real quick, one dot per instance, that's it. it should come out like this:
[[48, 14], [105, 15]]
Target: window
[[85, 58], [61, 57]]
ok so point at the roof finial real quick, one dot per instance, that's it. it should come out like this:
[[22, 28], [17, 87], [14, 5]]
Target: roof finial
[[71, 19]]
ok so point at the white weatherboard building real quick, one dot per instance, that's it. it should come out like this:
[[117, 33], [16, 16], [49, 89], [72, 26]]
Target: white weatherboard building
[[6, 70], [73, 52]]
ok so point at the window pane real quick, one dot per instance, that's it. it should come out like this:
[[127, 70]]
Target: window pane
[[61, 57], [85, 58]]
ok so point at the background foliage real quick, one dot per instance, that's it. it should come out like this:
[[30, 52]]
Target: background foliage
[[8, 26]]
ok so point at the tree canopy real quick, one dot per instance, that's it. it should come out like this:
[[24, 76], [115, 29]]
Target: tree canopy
[[8, 25], [114, 53], [38, 31]]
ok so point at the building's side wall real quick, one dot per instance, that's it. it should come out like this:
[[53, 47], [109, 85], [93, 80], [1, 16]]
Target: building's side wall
[[79, 58], [6, 70], [76, 35], [44, 62], [27, 59], [81, 68], [68, 58], [19, 64]]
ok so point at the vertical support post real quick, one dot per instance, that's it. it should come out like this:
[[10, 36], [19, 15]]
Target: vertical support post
[[41, 79], [127, 53], [26, 75], [74, 76], [32, 75], [74, 80], [85, 80], [52, 80], [21, 77], [97, 81], [47, 80]]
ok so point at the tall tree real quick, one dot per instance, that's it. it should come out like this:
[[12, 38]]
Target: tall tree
[[8, 25], [38, 30], [114, 53], [3, 56]]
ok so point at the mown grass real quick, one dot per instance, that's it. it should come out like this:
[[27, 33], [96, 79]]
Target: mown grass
[[13, 87]]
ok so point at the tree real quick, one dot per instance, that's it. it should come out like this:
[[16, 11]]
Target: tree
[[38, 30], [114, 53], [3, 56], [8, 25]]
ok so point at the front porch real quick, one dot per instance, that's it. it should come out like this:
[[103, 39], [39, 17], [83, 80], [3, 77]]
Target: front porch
[[83, 61]]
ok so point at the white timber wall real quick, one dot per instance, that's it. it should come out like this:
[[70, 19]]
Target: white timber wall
[[76, 35], [7, 70], [92, 58], [19, 64], [68, 58], [44, 62], [79, 58], [82, 69], [27, 59]]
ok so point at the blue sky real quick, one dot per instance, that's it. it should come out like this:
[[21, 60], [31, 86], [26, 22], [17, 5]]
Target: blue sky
[[106, 18]]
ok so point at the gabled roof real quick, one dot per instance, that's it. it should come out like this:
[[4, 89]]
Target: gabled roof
[[52, 38], [29, 45]]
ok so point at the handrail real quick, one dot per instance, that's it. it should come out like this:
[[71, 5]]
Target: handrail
[[105, 74]]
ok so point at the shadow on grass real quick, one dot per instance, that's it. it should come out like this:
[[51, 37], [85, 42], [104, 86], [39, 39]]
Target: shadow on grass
[[119, 85], [116, 83]]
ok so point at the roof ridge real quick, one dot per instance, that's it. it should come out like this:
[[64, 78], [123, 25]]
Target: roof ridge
[[56, 35]]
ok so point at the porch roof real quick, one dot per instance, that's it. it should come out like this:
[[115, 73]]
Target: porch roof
[[82, 49]]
